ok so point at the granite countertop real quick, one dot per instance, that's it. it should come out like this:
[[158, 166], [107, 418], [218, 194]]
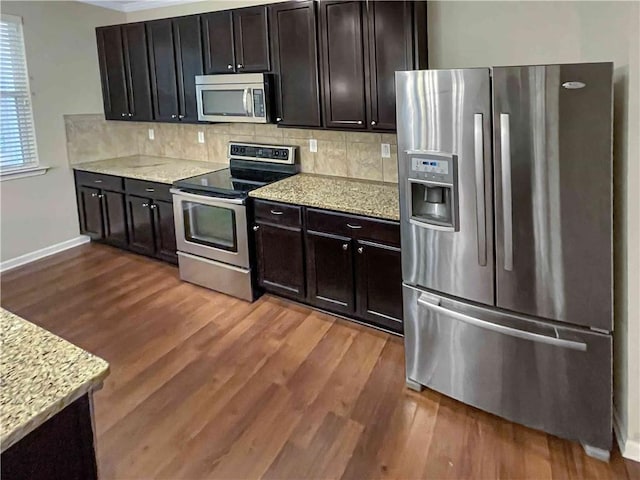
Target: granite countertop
[[153, 169], [362, 197], [40, 374]]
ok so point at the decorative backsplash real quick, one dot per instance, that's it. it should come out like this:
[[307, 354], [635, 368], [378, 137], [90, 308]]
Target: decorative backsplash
[[344, 154]]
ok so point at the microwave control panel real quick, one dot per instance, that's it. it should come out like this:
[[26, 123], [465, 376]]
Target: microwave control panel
[[258, 103]]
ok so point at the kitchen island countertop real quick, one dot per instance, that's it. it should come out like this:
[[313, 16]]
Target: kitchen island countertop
[[153, 169], [40, 375], [361, 197]]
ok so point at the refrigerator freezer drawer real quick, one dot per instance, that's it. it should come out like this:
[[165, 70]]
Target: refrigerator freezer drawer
[[538, 374]]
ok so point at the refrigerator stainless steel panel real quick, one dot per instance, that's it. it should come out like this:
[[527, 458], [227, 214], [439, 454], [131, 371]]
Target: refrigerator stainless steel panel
[[553, 191], [531, 372], [444, 162]]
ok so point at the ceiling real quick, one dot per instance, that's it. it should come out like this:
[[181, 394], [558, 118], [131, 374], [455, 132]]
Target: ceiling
[[135, 5]]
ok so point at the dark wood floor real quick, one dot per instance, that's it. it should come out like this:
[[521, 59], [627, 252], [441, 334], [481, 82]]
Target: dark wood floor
[[207, 386]]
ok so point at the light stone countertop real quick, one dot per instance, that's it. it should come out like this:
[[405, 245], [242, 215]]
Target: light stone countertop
[[40, 374], [361, 197], [153, 169]]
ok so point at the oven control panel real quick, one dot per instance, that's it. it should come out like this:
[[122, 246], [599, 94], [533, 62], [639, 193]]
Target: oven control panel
[[258, 152]]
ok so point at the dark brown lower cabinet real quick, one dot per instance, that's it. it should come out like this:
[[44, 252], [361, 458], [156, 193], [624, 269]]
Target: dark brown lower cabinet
[[330, 272], [90, 212], [379, 284], [62, 448], [115, 220], [132, 214], [347, 264], [281, 259], [165, 230], [140, 225]]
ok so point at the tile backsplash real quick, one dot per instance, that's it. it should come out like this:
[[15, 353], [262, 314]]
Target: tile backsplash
[[344, 154]]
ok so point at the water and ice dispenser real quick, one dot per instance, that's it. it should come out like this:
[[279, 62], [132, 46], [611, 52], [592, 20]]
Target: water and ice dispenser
[[433, 190]]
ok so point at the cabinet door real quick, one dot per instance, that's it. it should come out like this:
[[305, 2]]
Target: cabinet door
[[251, 39], [139, 225], [280, 254], [390, 50], [162, 63], [295, 57], [112, 73], [134, 39], [90, 212], [115, 223], [343, 64], [165, 231], [379, 284], [330, 272], [188, 46], [217, 37]]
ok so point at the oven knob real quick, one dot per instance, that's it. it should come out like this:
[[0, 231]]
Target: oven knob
[[256, 228]]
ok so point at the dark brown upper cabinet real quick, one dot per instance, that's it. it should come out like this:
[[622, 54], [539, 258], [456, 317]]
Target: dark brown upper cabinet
[[295, 63], [363, 44], [217, 36], [236, 41], [175, 58], [343, 63], [124, 72]]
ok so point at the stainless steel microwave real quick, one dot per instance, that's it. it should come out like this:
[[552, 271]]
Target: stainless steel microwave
[[233, 98]]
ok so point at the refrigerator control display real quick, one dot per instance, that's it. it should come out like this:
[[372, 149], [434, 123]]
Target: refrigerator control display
[[429, 165]]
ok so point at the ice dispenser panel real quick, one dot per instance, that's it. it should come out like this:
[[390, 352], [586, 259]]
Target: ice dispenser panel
[[433, 191]]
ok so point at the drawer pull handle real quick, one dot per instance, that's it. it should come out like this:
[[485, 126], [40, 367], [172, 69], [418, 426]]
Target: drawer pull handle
[[97, 181], [277, 212], [355, 227], [149, 190], [345, 246]]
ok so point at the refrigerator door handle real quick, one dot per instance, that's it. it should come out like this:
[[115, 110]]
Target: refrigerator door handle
[[433, 303], [505, 166], [481, 220]]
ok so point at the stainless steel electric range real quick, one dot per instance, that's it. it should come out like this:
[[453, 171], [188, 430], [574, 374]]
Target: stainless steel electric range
[[211, 216]]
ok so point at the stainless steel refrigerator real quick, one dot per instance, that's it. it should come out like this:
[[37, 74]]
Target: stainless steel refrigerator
[[505, 178]]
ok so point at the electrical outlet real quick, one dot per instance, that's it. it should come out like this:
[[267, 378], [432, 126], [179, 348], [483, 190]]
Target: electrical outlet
[[152, 135], [200, 137], [385, 150], [313, 145]]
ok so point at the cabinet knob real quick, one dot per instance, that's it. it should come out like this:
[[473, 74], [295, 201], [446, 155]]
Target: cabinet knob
[[153, 206], [174, 116], [94, 195], [145, 205], [239, 65], [360, 249], [100, 195], [180, 117], [130, 115], [359, 122], [345, 246], [256, 228], [373, 122], [229, 67], [279, 119], [123, 114]]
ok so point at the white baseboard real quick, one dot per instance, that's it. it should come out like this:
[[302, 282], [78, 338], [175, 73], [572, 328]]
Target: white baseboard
[[629, 449], [43, 252]]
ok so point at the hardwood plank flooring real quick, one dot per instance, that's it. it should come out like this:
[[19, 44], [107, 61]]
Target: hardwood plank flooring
[[204, 385]]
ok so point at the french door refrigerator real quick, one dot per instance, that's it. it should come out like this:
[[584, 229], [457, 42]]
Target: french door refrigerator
[[505, 178]]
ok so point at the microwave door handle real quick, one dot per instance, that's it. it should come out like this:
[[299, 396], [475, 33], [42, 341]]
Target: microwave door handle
[[246, 100]]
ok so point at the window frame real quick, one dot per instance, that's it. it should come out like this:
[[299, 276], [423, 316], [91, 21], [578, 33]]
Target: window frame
[[34, 167]]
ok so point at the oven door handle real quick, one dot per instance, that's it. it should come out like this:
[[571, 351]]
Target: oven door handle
[[205, 198]]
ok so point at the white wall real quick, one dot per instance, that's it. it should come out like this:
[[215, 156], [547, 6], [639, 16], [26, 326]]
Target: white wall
[[193, 8], [468, 34], [60, 43]]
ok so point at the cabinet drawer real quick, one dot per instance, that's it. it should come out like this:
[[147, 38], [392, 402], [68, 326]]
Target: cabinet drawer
[[278, 213], [99, 180], [353, 226], [142, 188]]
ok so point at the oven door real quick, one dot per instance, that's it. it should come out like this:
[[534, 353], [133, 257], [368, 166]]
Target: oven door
[[231, 103], [211, 227]]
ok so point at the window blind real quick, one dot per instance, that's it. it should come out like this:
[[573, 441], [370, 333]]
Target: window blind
[[17, 136]]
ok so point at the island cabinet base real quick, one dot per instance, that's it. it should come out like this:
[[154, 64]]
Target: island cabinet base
[[62, 448]]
